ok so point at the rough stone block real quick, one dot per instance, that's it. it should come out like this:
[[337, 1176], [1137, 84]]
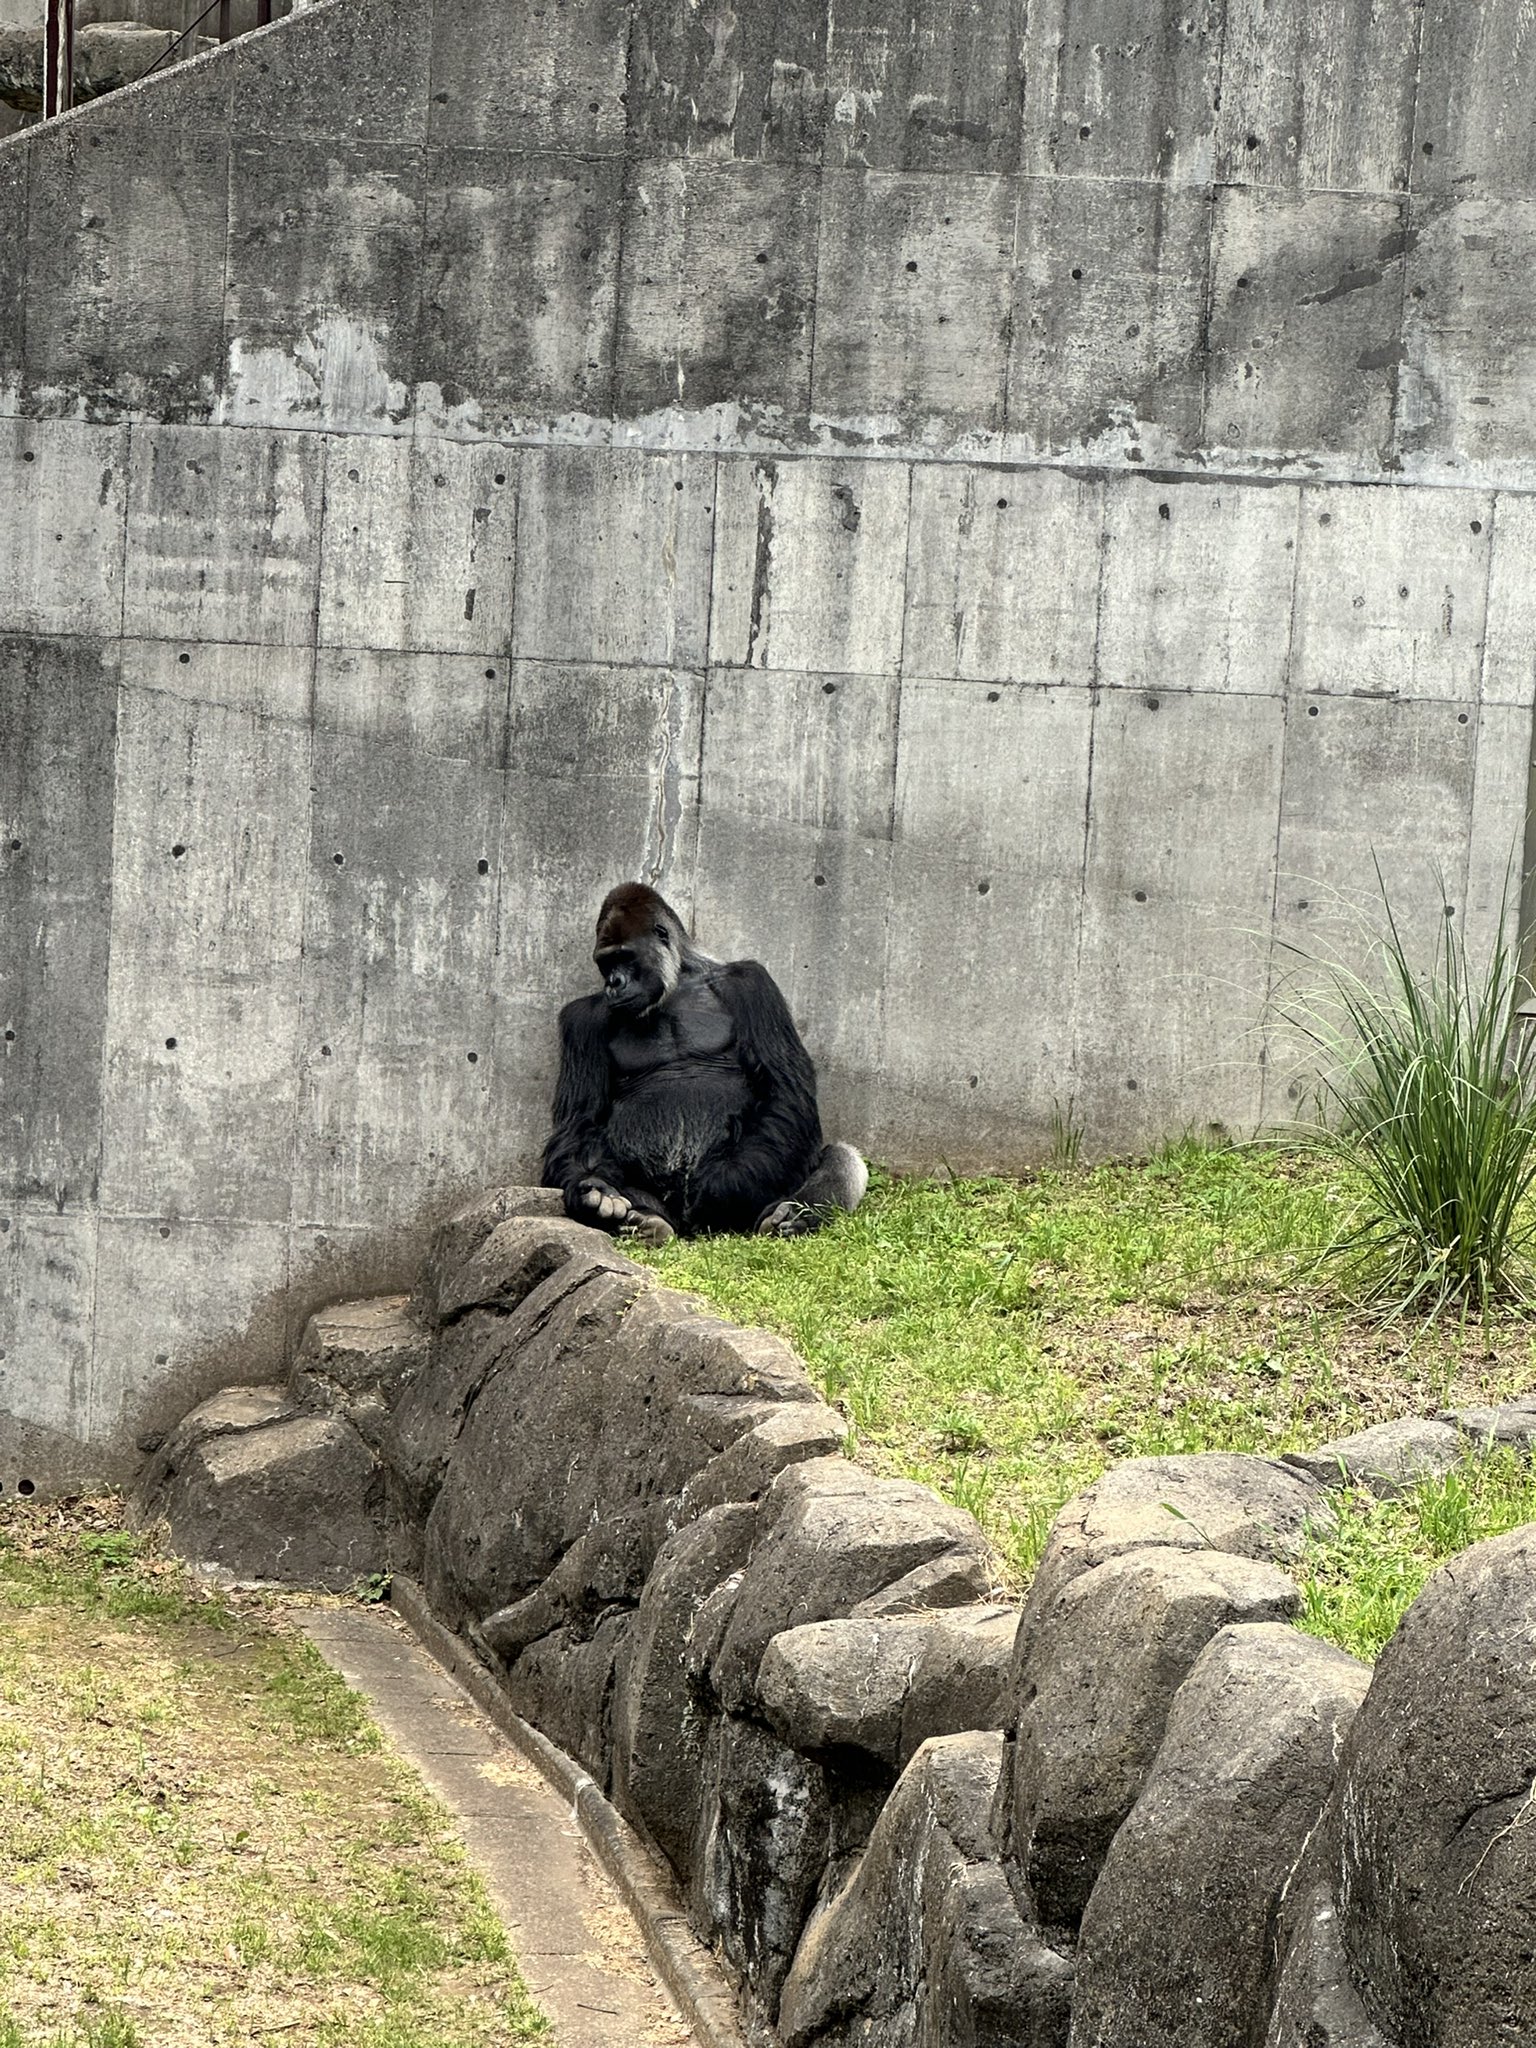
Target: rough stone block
[[1388, 1458], [555, 83], [810, 566], [1108, 342], [449, 704], [358, 1358], [924, 1945], [1391, 593], [515, 1258], [1003, 575], [747, 1468], [747, 84], [1306, 300], [614, 558], [563, 1684], [462, 1234], [912, 302], [1468, 356], [1317, 98], [1316, 2004], [1475, 77], [1210, 1500], [420, 542], [223, 535], [717, 288], [65, 489], [552, 223], [1113, 91], [58, 713], [945, 99], [324, 282], [1096, 1673], [1439, 1859], [1198, 586], [604, 1571], [1509, 1422], [1172, 1946]]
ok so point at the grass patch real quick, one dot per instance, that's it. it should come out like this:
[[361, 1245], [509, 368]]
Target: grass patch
[[204, 1840], [1004, 1341]]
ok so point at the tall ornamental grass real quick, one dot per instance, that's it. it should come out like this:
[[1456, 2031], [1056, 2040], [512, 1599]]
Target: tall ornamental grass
[[1429, 1099]]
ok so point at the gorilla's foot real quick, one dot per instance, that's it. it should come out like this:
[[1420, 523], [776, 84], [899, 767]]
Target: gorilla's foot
[[651, 1231], [789, 1219], [605, 1204]]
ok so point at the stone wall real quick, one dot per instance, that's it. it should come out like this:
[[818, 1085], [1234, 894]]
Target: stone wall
[[1000, 512], [1146, 1812]]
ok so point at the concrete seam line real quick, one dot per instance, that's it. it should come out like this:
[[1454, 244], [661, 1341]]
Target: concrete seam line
[[687, 1968]]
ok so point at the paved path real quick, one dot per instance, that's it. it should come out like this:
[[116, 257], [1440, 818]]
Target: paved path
[[578, 1946]]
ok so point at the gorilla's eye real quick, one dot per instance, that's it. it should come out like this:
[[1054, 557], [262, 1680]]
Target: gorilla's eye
[[663, 934]]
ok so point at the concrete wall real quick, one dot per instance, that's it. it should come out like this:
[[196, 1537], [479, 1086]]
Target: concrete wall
[[997, 512]]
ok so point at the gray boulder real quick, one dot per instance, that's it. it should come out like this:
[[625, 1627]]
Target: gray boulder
[[1388, 1458], [1209, 1500], [1437, 1811], [787, 1435], [1171, 1952], [298, 1502], [1315, 2003], [923, 1946], [604, 1568], [834, 1536], [884, 1687], [466, 1230], [520, 1253], [564, 1685], [1510, 1422], [1094, 1675], [357, 1358], [664, 1704]]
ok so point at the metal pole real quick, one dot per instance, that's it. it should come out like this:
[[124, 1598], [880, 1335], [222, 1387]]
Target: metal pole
[[59, 58], [226, 8], [263, 13]]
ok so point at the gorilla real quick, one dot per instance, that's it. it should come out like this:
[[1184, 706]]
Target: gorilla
[[686, 1101]]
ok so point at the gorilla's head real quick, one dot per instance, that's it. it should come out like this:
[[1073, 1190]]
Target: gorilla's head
[[641, 948]]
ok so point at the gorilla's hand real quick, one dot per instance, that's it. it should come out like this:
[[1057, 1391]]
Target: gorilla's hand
[[602, 1203]]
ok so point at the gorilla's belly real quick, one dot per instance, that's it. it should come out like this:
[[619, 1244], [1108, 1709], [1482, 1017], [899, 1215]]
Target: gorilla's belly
[[669, 1120]]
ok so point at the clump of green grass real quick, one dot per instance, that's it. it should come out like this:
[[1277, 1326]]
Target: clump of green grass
[[1429, 1097], [1359, 1580]]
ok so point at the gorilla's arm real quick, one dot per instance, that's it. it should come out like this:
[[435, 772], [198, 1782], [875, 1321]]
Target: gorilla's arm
[[578, 1146], [782, 1138]]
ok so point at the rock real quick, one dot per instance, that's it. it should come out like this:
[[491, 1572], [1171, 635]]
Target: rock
[[520, 1253], [923, 1946], [1094, 1674], [1511, 1422], [231, 1411], [357, 1359], [1316, 2004], [1209, 1500], [664, 1703], [1387, 1459], [885, 1686], [604, 1568], [563, 1684], [833, 1538], [948, 1580], [787, 1436], [1437, 1810], [466, 1230], [1171, 1952], [297, 1502]]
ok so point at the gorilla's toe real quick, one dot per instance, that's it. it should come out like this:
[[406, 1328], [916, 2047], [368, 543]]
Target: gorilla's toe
[[788, 1219], [653, 1231]]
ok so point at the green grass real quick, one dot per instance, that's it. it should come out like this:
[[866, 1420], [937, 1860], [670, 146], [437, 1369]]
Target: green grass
[[203, 1839], [1004, 1341]]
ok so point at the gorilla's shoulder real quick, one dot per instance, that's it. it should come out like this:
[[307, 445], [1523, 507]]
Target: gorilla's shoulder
[[582, 1017]]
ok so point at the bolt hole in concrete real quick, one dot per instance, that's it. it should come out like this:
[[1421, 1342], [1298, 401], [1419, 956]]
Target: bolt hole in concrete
[[983, 888], [26, 1487], [1002, 504], [170, 1045], [473, 1058], [165, 1230], [821, 881], [10, 1038], [994, 696], [177, 851], [829, 689], [30, 456], [15, 846], [1165, 511], [913, 268], [1311, 711], [1140, 895], [325, 1052], [184, 659], [1477, 526], [482, 867], [339, 860]]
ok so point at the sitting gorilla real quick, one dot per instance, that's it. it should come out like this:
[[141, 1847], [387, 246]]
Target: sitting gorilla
[[686, 1101]]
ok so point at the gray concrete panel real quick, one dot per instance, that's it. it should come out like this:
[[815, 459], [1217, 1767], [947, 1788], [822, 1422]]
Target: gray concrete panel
[[1477, 78], [1176, 908], [805, 750], [1109, 312], [58, 709], [551, 80], [126, 232], [223, 535], [717, 286], [1306, 299], [400, 941], [1118, 89], [602, 788], [1391, 592], [357, 73], [1509, 652], [524, 1063], [947, 98], [519, 284], [314, 227], [1317, 97], [614, 556], [1003, 574], [449, 704], [912, 299], [1495, 846], [47, 1277], [275, 682], [1198, 585], [419, 546], [63, 494], [182, 1308], [210, 840], [13, 273], [738, 83], [1469, 336], [810, 566]]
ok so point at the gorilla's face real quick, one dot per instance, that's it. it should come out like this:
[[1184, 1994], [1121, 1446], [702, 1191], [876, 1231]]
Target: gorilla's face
[[639, 973]]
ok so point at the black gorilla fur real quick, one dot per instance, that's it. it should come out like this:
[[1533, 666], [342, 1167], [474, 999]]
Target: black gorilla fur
[[686, 1101]]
